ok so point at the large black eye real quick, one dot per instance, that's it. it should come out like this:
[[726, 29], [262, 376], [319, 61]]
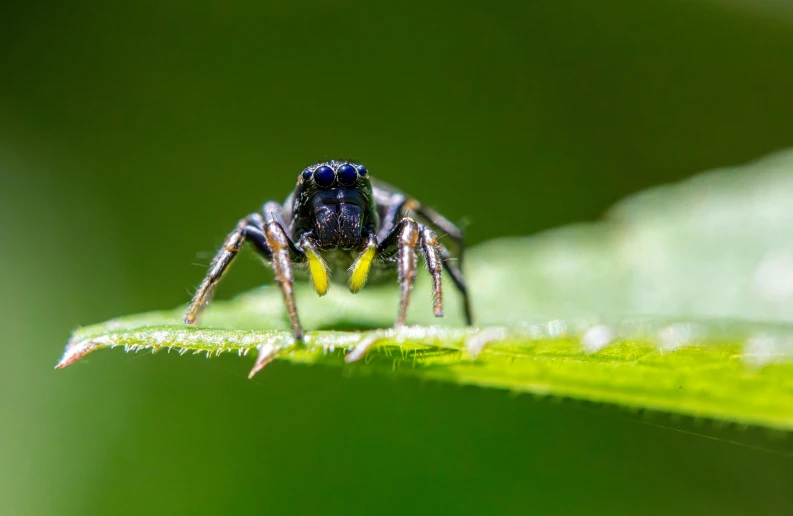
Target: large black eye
[[347, 175], [324, 176], [362, 170]]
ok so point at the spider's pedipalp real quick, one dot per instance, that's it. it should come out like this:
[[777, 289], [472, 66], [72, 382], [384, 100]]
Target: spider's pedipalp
[[359, 270], [317, 268]]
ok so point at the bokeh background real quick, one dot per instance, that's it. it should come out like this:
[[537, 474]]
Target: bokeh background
[[134, 135]]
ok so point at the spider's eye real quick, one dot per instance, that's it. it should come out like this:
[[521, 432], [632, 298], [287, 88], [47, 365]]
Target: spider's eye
[[324, 176], [362, 170], [306, 175], [347, 175]]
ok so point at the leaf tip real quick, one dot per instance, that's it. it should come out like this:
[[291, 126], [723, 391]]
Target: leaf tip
[[267, 353], [75, 351]]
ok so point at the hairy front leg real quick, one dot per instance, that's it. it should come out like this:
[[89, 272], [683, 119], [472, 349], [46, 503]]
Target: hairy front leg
[[279, 244], [248, 229]]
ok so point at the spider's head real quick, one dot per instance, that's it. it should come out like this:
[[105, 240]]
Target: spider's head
[[337, 196]]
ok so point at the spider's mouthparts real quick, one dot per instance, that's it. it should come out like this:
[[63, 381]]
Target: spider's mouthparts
[[338, 225]]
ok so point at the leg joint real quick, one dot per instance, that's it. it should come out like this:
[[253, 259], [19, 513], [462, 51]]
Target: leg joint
[[410, 232]]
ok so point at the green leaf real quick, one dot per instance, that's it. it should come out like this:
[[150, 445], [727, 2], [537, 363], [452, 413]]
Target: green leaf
[[680, 300]]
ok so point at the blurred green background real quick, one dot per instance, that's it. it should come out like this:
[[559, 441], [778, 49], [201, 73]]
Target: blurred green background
[[134, 135]]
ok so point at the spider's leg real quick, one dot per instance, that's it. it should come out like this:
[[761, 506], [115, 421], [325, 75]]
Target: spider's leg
[[392, 216], [402, 241], [458, 279], [248, 229], [432, 258], [399, 205], [441, 224], [273, 211], [437, 220], [283, 251]]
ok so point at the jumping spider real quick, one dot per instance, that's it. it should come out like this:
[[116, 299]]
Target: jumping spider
[[338, 220]]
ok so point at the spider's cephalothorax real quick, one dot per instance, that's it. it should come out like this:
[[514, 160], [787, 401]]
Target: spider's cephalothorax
[[340, 223], [333, 201]]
